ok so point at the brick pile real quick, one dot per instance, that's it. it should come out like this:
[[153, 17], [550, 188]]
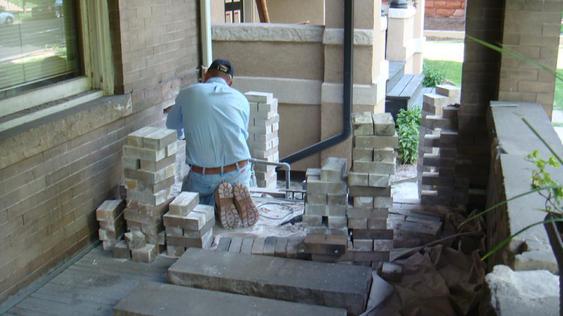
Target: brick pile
[[373, 164], [149, 162], [112, 223], [439, 182], [325, 211], [188, 224], [263, 138]]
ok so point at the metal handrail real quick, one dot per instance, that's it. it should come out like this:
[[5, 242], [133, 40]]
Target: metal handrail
[[285, 166]]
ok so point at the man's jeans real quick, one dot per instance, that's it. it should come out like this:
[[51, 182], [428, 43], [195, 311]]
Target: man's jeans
[[206, 184]]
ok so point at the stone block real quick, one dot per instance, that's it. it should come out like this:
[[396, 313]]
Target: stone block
[[259, 97], [312, 220], [193, 221], [148, 197], [174, 251], [316, 198], [316, 209], [321, 244], [376, 141], [337, 199], [184, 203], [354, 212], [337, 221], [159, 138], [144, 153], [449, 91], [373, 234], [379, 180], [236, 244], [358, 178], [246, 247], [121, 251], [377, 223], [362, 154], [130, 163], [281, 247], [369, 191], [335, 210], [313, 172], [199, 233], [159, 299], [363, 244], [109, 210], [357, 223], [144, 254], [383, 124], [114, 226], [174, 231], [258, 245], [136, 138], [148, 177], [382, 245], [154, 166], [382, 202], [379, 167], [269, 246], [135, 240], [149, 210], [362, 201], [384, 154], [204, 241], [362, 123], [334, 169]]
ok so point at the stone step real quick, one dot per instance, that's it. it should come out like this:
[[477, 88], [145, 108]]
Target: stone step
[[159, 299], [326, 284]]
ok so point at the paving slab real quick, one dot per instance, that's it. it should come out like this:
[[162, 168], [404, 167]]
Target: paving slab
[[165, 299], [333, 285]]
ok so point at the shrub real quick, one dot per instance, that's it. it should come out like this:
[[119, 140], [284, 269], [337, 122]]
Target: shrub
[[408, 123], [432, 76]]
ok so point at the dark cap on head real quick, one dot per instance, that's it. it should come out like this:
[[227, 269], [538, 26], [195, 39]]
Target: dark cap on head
[[223, 66]]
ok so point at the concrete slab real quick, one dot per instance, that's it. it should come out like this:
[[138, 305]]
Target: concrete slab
[[300, 281], [517, 293], [165, 299]]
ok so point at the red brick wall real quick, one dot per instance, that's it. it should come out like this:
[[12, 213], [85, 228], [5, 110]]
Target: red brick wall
[[445, 8]]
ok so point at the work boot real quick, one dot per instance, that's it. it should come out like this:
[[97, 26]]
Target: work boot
[[245, 206], [225, 209]]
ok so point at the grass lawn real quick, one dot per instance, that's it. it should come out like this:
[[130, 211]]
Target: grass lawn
[[451, 69], [559, 91]]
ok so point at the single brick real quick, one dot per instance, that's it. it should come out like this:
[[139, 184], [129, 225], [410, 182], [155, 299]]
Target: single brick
[[383, 124], [184, 203], [362, 123], [358, 178], [144, 254]]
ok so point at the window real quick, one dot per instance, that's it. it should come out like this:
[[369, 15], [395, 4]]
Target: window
[[39, 44], [234, 11]]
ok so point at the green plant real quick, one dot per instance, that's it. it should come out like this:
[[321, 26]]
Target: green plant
[[408, 123], [433, 76]]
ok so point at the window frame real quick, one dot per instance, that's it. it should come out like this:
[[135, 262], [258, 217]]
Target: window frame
[[97, 61]]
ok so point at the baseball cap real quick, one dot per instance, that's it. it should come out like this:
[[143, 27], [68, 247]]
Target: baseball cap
[[223, 66]]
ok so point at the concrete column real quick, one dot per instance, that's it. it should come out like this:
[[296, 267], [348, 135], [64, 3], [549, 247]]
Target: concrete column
[[371, 70], [400, 36]]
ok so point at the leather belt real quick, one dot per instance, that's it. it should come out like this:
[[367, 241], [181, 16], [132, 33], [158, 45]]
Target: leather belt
[[218, 170]]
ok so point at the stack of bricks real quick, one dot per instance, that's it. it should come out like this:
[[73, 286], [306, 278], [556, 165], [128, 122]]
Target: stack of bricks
[[188, 224], [112, 223], [149, 159], [325, 211], [438, 163], [374, 161], [263, 138]]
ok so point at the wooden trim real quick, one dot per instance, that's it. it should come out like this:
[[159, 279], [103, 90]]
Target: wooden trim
[[43, 95]]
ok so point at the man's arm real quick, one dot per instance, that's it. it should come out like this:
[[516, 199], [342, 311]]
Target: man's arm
[[246, 116], [174, 119]]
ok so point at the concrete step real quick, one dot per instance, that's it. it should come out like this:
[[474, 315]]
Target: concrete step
[[334, 285], [159, 299], [396, 71]]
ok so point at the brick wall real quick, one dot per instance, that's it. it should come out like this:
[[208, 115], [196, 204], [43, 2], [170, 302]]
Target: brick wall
[[531, 28], [445, 8], [480, 79], [55, 173]]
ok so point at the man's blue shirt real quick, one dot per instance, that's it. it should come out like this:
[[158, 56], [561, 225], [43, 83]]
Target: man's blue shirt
[[214, 118]]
